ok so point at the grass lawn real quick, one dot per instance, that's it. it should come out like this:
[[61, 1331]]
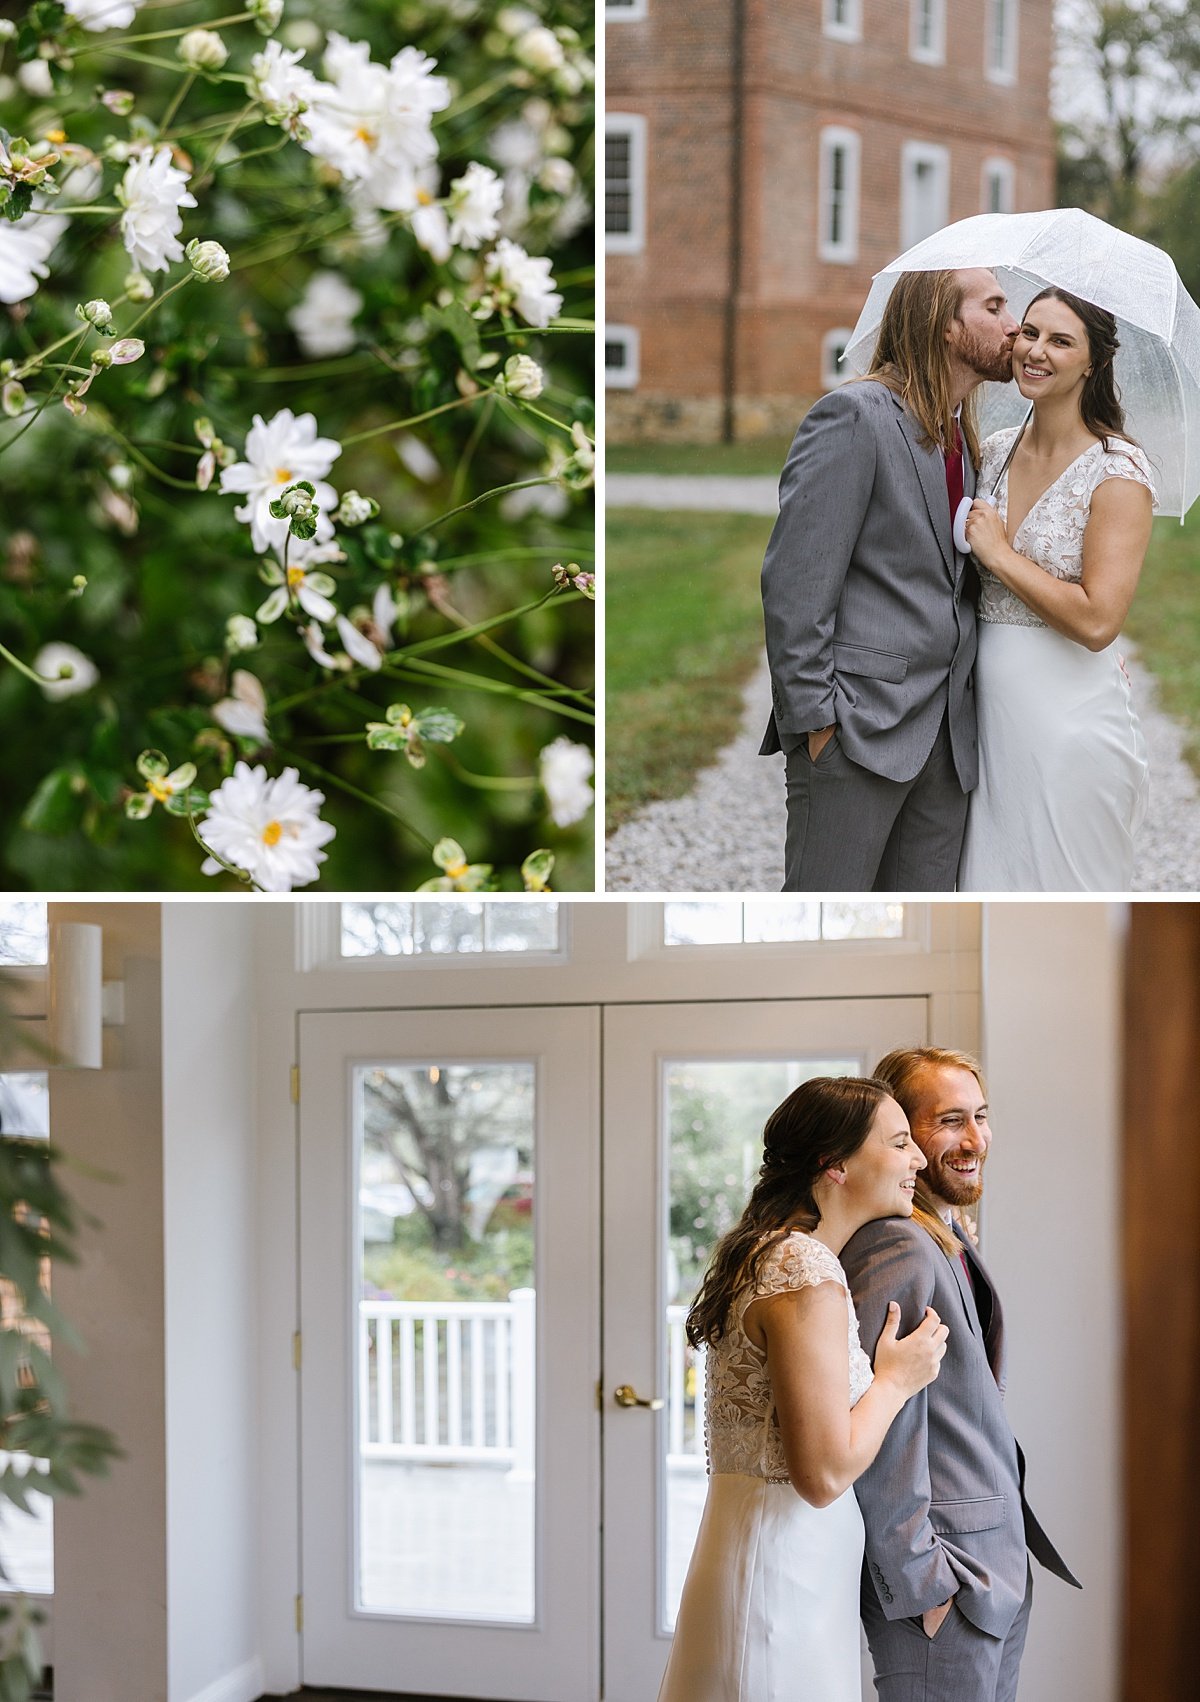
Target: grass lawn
[[1164, 623], [761, 455], [684, 632]]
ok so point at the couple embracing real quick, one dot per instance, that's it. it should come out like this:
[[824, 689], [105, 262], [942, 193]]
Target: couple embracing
[[951, 699], [838, 1487]]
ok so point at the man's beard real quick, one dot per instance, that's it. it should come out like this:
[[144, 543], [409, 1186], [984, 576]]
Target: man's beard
[[949, 1185], [983, 357]]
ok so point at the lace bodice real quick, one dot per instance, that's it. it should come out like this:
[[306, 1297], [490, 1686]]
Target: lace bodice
[[1051, 534], [741, 1426]]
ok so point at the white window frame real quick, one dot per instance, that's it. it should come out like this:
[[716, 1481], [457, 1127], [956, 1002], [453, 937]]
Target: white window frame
[[646, 942], [833, 136], [834, 376], [997, 167], [1004, 68], [935, 53], [626, 377], [633, 125], [319, 946], [915, 154], [627, 14], [850, 28]]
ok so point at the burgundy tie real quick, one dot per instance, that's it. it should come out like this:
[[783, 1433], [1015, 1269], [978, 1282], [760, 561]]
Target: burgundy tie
[[954, 473]]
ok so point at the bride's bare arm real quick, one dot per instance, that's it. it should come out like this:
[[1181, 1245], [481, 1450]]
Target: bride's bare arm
[[827, 1445], [1093, 611]]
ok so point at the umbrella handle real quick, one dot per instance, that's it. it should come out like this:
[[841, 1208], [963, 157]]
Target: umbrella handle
[[960, 521]]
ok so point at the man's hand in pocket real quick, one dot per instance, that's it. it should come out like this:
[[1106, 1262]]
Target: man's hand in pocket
[[818, 741]]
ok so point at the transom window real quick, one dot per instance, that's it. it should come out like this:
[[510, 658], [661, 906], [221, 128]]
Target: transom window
[[24, 932], [735, 922], [455, 928]]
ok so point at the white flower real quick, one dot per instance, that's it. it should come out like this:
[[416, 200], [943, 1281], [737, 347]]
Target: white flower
[[24, 250], [65, 671], [240, 634], [322, 317], [372, 123], [475, 199], [208, 260], [202, 50], [540, 49], [527, 280], [515, 20], [266, 14], [299, 583], [103, 14], [558, 176], [271, 827], [34, 77], [523, 377], [280, 82], [244, 712], [358, 646], [429, 223], [314, 643], [565, 770], [152, 192], [384, 612], [278, 453]]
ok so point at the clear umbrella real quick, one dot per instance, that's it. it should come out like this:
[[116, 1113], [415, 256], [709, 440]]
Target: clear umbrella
[[1157, 368]]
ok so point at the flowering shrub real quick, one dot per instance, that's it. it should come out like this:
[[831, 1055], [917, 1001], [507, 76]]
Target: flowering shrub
[[296, 450]]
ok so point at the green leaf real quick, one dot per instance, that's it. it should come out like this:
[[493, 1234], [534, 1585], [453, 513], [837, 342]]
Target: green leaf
[[17, 202], [439, 726], [457, 323], [56, 806]]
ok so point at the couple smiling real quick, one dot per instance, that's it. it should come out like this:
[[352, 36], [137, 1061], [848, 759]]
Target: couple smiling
[[836, 1489], [890, 719]]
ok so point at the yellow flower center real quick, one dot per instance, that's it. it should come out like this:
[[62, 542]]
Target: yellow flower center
[[272, 833], [295, 578], [367, 136], [424, 198], [456, 871], [56, 135], [283, 475], [159, 789]]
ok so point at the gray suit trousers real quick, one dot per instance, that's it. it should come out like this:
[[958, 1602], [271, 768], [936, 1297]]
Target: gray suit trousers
[[960, 1664], [849, 830]]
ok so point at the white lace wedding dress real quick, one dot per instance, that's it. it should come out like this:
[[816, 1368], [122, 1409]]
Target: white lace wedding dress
[[770, 1605], [1063, 777]]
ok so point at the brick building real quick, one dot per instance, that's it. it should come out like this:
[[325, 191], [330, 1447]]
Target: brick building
[[765, 157]]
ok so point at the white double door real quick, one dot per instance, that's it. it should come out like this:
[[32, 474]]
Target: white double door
[[503, 1213]]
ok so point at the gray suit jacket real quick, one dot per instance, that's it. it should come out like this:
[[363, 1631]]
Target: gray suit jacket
[[870, 610], [943, 1503]]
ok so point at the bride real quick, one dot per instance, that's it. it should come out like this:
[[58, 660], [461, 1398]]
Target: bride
[[1063, 775], [794, 1414]]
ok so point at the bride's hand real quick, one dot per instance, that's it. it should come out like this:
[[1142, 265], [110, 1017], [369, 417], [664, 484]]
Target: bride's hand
[[910, 1362], [986, 534]]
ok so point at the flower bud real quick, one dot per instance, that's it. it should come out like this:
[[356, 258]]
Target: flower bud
[[202, 50], [266, 14], [208, 261], [138, 287], [8, 29], [558, 176], [102, 358], [124, 350], [354, 509], [118, 101], [97, 313], [297, 500], [540, 49], [240, 634], [12, 398], [523, 377]]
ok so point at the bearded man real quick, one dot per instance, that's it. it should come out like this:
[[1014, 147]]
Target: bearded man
[[947, 1584], [869, 606]]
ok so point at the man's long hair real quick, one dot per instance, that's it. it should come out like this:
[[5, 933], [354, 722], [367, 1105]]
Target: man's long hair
[[912, 356], [902, 1072]]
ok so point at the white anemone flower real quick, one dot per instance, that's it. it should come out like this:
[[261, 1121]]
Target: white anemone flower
[[372, 123], [64, 671], [322, 318], [429, 223], [527, 280], [271, 827], [566, 769], [358, 646], [280, 452], [25, 249], [103, 14], [314, 643], [152, 192], [298, 582], [244, 711], [475, 200], [279, 81]]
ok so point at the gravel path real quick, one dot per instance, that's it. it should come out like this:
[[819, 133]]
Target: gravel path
[[748, 493], [727, 836]]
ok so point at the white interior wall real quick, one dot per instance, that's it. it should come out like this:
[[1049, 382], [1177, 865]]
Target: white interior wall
[[1052, 1049], [211, 1277]]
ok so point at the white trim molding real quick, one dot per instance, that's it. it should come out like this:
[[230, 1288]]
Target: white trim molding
[[629, 127], [625, 11], [626, 338], [842, 19], [838, 180], [924, 191], [927, 32], [243, 1685], [1000, 41], [998, 185], [834, 343]]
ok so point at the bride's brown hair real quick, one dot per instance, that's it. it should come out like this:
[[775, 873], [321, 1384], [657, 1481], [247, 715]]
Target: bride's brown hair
[[822, 1123], [1100, 400]]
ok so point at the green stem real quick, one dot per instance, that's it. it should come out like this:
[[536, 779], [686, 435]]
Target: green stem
[[145, 461], [271, 148], [244, 875], [473, 442], [331, 779], [177, 100], [159, 35], [49, 397], [496, 490], [549, 418], [156, 304], [36, 360], [226, 135], [497, 650], [415, 419], [21, 667], [486, 782], [477, 682]]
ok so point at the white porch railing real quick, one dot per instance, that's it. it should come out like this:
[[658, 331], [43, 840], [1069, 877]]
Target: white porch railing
[[455, 1380]]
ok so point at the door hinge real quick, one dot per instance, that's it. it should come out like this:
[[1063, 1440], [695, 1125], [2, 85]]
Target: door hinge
[[296, 1351], [295, 1084], [299, 1613]]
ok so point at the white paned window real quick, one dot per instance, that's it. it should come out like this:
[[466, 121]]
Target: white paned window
[[624, 183], [737, 922], [620, 357], [1000, 48], [834, 371], [998, 192], [455, 928], [838, 201], [23, 932], [927, 33], [624, 11], [843, 19], [924, 191]]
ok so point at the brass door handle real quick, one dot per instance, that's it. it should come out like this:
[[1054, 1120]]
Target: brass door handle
[[627, 1396]]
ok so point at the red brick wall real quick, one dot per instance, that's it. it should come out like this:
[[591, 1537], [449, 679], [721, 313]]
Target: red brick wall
[[675, 69]]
